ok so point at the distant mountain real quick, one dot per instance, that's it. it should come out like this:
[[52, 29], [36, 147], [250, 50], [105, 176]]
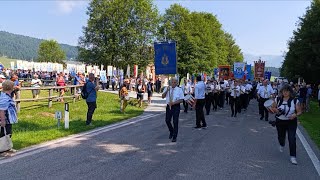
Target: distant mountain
[[25, 47], [271, 60]]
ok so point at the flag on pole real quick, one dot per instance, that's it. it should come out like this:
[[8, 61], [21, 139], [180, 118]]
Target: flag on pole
[[135, 71], [128, 71]]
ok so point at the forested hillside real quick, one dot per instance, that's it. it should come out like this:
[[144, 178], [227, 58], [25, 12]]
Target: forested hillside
[[24, 47]]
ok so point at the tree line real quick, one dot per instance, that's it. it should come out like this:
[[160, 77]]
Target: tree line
[[26, 48], [303, 57], [122, 32]]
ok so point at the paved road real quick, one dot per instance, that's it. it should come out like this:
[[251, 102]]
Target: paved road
[[231, 148]]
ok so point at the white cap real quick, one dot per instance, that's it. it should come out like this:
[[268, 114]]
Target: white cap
[[2, 76]]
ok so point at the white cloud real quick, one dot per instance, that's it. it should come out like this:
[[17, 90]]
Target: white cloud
[[66, 7]]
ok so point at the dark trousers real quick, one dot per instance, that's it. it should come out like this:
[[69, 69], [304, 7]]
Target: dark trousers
[[215, 101], [228, 96], [8, 130], [91, 107], [235, 105], [208, 102], [104, 86], [173, 113], [244, 101], [290, 126], [185, 105], [113, 85], [263, 110], [221, 99], [200, 114]]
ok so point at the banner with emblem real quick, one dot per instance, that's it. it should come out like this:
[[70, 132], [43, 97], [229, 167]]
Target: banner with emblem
[[37, 66], [109, 70], [43, 66], [238, 70], [165, 58], [224, 72], [135, 71], [19, 64], [12, 65], [248, 72], [267, 75], [259, 69]]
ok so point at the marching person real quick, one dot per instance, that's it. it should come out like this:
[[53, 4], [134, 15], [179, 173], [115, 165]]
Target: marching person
[[222, 93], [264, 93], [287, 109], [140, 92], [174, 96], [199, 93], [186, 89], [242, 100], [91, 100], [150, 89], [215, 90], [248, 89], [235, 98], [208, 97]]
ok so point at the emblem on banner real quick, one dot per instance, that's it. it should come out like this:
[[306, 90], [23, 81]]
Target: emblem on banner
[[165, 60]]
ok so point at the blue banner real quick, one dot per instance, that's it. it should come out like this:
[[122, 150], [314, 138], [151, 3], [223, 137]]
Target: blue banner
[[165, 58], [267, 75], [238, 70], [216, 71], [248, 72]]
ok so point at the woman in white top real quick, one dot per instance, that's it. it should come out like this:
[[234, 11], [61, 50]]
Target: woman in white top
[[35, 82], [287, 110]]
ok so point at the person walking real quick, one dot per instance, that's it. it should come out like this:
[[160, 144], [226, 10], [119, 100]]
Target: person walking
[[124, 97], [91, 88], [174, 96], [208, 96], [186, 89], [264, 93], [8, 112], [216, 90], [235, 98], [308, 97], [287, 109], [150, 90], [199, 93], [140, 92]]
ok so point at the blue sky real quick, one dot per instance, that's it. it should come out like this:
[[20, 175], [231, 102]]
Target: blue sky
[[259, 27]]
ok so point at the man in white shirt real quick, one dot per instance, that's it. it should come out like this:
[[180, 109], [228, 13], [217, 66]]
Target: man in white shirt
[[186, 89], [235, 98], [215, 89], [209, 96], [222, 95], [35, 82], [174, 96], [265, 92], [199, 93]]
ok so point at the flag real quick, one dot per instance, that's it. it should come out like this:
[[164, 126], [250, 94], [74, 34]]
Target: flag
[[128, 71]]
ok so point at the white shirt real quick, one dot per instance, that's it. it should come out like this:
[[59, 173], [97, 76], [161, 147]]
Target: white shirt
[[186, 89], [248, 87], [284, 106], [242, 89], [176, 92], [265, 91], [199, 90], [215, 88], [235, 90], [208, 88], [36, 82]]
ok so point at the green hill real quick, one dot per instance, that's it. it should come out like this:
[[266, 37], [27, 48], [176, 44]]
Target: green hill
[[24, 47]]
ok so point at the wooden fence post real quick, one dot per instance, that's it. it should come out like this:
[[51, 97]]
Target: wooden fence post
[[50, 98], [74, 94], [18, 102]]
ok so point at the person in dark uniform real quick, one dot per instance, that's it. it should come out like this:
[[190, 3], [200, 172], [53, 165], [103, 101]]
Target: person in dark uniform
[[264, 93], [174, 96], [199, 93], [208, 97], [216, 91], [234, 98]]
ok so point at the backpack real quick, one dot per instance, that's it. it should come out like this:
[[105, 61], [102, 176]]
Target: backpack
[[84, 92]]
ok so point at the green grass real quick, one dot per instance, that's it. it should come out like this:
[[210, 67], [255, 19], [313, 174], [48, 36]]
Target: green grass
[[6, 61], [311, 122], [37, 124]]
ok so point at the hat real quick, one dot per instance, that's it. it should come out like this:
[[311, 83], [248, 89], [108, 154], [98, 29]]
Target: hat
[[2, 76]]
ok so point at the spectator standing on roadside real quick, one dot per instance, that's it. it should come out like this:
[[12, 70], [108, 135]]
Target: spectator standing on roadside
[[36, 83], [91, 88]]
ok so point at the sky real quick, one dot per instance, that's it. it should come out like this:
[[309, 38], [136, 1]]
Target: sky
[[259, 27]]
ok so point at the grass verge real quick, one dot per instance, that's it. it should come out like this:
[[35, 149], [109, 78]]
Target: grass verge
[[37, 124], [311, 122]]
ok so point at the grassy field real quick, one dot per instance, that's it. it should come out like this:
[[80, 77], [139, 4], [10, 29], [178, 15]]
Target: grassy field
[[37, 123], [6, 61], [311, 122]]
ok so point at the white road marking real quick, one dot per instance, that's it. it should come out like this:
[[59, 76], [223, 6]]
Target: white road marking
[[312, 155], [55, 143]]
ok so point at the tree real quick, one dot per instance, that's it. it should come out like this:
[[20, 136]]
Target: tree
[[303, 56], [50, 51], [119, 32], [202, 45]]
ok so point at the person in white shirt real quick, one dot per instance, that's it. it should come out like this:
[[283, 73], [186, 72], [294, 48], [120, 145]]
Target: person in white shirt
[[222, 94], [235, 98], [216, 90], [186, 89], [174, 96], [265, 92], [35, 82], [242, 100], [287, 109], [209, 96], [249, 90], [199, 93]]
